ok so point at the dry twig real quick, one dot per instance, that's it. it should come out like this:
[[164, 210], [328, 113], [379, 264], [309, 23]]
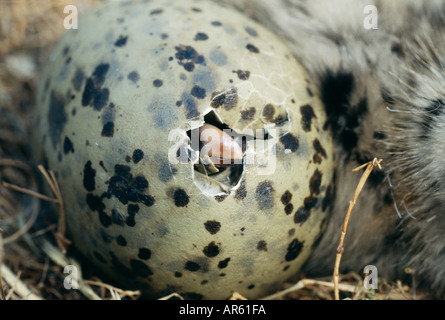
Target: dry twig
[[17, 285], [340, 249], [310, 282], [52, 182], [61, 228], [174, 294], [120, 293]]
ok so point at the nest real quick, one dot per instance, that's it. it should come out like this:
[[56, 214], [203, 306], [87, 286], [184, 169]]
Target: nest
[[33, 249]]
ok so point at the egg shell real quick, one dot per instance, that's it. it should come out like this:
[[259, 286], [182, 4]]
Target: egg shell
[[115, 103]]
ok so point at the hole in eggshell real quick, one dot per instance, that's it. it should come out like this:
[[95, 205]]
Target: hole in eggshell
[[219, 155], [220, 151]]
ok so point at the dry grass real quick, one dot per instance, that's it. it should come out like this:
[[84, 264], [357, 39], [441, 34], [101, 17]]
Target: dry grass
[[33, 247]]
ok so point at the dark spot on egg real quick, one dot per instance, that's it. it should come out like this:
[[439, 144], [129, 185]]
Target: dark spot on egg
[[132, 209], [101, 99], [320, 151], [241, 192], [286, 197], [130, 221], [201, 37], [303, 213], [211, 250], [133, 76], [289, 208], [108, 129], [156, 11], [268, 112], [261, 245], [68, 146], [220, 197], [121, 241], [264, 195], [77, 80], [192, 266], [227, 99], [319, 148], [251, 31], [89, 175], [190, 105], [93, 94], [212, 226], [290, 142], [121, 41], [198, 92], [252, 48], [157, 83], [315, 182], [104, 219], [242, 74], [317, 159], [165, 172], [128, 189], [181, 198], [248, 114], [138, 155], [188, 57], [144, 254], [223, 263], [307, 114], [95, 203], [293, 250]]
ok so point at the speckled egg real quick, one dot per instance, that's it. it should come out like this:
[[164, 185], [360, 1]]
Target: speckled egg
[[121, 110]]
